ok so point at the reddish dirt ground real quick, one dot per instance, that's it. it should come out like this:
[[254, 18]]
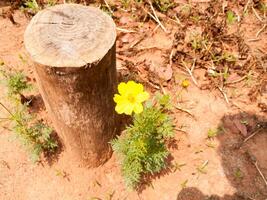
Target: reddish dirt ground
[[229, 170]]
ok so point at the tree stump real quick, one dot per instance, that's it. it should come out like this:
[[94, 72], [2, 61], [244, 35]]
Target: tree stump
[[73, 47]]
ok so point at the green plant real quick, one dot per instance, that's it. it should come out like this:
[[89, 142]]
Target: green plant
[[213, 133], [164, 5], [230, 17], [34, 134], [50, 3], [142, 148], [198, 41], [238, 174], [125, 3], [16, 84], [31, 6]]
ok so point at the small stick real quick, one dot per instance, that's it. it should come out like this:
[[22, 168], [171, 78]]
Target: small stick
[[190, 71], [125, 30], [186, 111], [257, 15], [180, 130], [253, 39], [246, 7], [257, 167], [237, 81], [108, 7], [157, 17], [262, 28], [224, 95], [171, 55], [252, 135]]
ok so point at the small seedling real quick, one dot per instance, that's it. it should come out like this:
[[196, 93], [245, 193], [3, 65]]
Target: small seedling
[[184, 184], [164, 5], [230, 17], [50, 3], [198, 41], [125, 3], [238, 174], [210, 145], [96, 183], [31, 6], [61, 173], [23, 60], [164, 101], [212, 133], [178, 166], [202, 169]]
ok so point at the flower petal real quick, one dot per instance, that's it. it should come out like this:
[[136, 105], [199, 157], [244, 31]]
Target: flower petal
[[141, 97], [118, 98], [122, 88], [134, 87], [138, 108], [128, 108], [119, 108]]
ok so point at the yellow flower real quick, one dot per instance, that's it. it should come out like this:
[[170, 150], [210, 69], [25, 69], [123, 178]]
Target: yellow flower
[[185, 83], [130, 98]]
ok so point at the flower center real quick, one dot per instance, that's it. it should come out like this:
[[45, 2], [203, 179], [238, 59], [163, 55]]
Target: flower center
[[131, 98]]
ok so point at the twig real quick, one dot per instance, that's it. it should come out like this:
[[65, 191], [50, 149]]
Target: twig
[[237, 81], [186, 111], [108, 7], [262, 28], [6, 109], [155, 17], [257, 167], [257, 15], [252, 135], [154, 12], [146, 35], [253, 39], [125, 58], [246, 7], [170, 58], [224, 94], [180, 130], [190, 71], [125, 30]]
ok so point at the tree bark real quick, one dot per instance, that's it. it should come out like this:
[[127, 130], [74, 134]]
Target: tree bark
[[73, 48]]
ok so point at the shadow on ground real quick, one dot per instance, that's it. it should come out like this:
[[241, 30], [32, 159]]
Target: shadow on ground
[[240, 158]]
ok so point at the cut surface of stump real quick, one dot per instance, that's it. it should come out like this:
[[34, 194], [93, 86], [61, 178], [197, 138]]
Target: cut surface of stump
[[73, 47]]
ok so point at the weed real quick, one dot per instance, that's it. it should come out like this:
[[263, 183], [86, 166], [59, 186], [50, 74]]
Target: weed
[[35, 135], [198, 41], [50, 3], [210, 145], [202, 169], [230, 17], [226, 56], [164, 5], [238, 174], [125, 3], [184, 184], [31, 6], [16, 84], [178, 166], [61, 173], [212, 133], [142, 148]]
